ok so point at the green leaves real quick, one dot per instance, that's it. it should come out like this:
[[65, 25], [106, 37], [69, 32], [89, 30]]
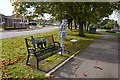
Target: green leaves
[[85, 12]]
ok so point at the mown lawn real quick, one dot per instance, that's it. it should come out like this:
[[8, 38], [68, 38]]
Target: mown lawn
[[14, 53], [1, 28]]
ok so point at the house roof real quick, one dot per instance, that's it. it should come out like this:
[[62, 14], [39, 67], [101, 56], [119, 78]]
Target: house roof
[[1, 14]]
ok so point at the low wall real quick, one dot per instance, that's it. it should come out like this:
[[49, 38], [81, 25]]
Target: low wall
[[0, 24], [16, 26]]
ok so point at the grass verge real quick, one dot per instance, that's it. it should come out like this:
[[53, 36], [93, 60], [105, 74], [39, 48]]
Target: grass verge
[[116, 34], [14, 53], [1, 28], [45, 26]]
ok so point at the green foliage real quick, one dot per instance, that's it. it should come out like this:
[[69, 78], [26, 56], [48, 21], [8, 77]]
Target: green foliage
[[84, 11], [81, 12], [104, 22], [109, 23]]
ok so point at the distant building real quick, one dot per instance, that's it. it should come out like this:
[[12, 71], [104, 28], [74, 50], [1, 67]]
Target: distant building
[[8, 19], [119, 21], [15, 23], [1, 19]]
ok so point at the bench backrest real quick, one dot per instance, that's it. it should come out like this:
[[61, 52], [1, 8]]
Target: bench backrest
[[40, 42]]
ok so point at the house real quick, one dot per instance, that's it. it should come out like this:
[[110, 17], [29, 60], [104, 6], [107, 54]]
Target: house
[[8, 19], [1, 19], [11, 21]]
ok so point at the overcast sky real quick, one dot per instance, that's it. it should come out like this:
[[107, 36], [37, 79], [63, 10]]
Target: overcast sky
[[6, 8]]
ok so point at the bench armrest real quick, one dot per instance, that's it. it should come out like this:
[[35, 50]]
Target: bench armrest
[[58, 43]]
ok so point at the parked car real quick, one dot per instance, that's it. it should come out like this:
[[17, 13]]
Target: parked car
[[115, 30], [32, 23], [54, 24]]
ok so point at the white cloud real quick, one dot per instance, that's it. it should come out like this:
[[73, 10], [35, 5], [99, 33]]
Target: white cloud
[[6, 7]]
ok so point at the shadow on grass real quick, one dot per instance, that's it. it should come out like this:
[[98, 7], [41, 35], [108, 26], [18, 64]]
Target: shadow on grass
[[47, 64], [75, 30], [91, 36]]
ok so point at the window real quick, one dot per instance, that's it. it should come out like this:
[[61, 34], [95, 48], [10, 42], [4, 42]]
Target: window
[[2, 20]]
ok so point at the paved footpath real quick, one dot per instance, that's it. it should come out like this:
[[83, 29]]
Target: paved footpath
[[23, 32], [103, 53]]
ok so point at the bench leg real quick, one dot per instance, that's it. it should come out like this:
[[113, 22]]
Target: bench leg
[[37, 62], [27, 59]]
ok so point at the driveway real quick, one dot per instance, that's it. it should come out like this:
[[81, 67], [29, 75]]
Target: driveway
[[24, 32], [98, 60]]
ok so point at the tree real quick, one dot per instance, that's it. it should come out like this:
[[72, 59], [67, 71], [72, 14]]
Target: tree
[[83, 13], [104, 22], [107, 23], [111, 24]]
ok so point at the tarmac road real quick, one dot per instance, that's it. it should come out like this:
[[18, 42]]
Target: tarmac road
[[16, 33]]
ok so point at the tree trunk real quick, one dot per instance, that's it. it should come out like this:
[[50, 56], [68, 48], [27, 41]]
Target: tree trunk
[[60, 21], [43, 25], [71, 24], [75, 24], [85, 26], [68, 24], [81, 31], [88, 25]]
